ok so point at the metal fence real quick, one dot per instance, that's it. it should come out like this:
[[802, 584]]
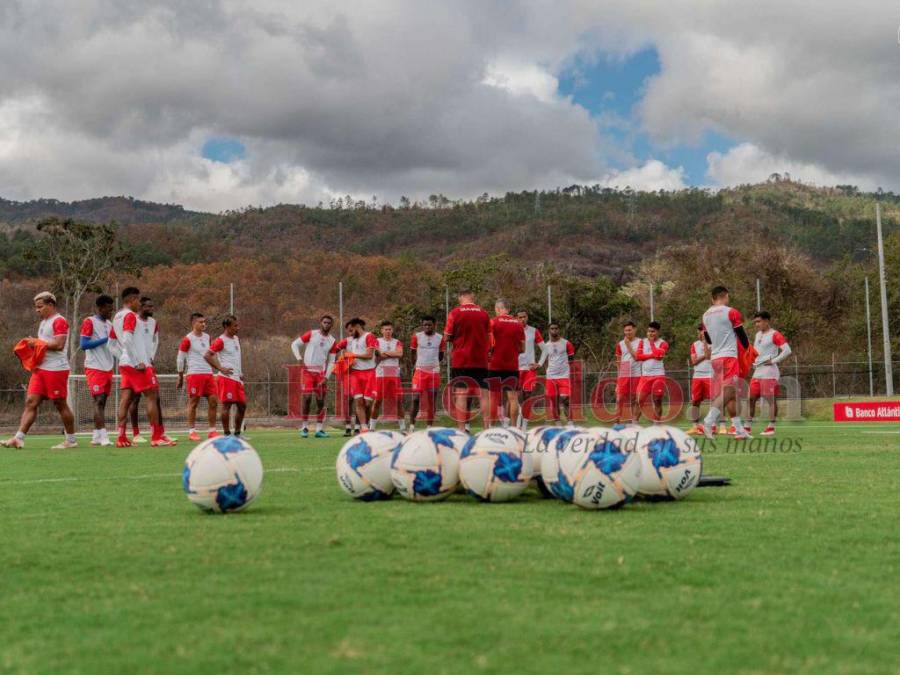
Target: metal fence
[[275, 402]]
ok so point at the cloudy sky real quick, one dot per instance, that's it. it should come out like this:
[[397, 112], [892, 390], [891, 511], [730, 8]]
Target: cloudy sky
[[218, 104]]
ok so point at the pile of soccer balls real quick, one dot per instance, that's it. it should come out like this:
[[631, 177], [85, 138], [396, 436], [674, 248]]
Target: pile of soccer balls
[[597, 468]]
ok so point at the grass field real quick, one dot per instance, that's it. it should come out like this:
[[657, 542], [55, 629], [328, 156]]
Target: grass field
[[106, 567]]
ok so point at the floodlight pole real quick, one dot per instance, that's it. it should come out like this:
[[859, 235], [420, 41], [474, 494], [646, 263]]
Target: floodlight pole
[[869, 340], [758, 295], [341, 307], [652, 306], [885, 326], [446, 317], [231, 300], [549, 305]]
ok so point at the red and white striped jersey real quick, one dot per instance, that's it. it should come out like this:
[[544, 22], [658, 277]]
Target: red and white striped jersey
[[719, 322], [228, 351], [98, 358], [49, 329], [428, 350], [389, 367], [628, 365], [528, 357], [191, 351], [702, 370]]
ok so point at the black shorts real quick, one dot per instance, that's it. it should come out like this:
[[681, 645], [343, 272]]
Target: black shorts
[[499, 380], [478, 375]]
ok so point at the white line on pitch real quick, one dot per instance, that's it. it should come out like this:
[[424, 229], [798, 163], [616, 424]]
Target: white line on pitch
[[146, 476]]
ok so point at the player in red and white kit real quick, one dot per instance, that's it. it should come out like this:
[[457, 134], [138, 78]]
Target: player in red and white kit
[[146, 323], [650, 353], [527, 366], [558, 353], [315, 359], [224, 356], [387, 375], [99, 363], [723, 328], [427, 347], [773, 348], [50, 378], [701, 380], [628, 374], [507, 344], [136, 340], [192, 365], [468, 330], [362, 345]]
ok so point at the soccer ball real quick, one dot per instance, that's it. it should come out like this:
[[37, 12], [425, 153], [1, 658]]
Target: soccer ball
[[222, 474], [537, 443], [364, 465], [425, 468], [605, 473], [670, 462], [555, 476], [491, 465]]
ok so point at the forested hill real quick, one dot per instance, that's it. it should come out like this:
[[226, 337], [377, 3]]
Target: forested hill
[[580, 230], [124, 210]]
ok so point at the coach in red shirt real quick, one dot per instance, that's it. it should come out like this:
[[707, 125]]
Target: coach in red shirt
[[507, 342], [468, 330]]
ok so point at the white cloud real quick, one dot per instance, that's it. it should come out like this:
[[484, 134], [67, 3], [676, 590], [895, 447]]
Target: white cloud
[[523, 79], [651, 176], [394, 97], [747, 163]]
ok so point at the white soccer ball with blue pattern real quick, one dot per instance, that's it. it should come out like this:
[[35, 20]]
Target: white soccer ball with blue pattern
[[671, 462], [222, 475], [604, 473], [556, 475], [537, 442], [364, 465], [425, 468], [492, 467]]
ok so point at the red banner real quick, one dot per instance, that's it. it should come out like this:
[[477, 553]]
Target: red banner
[[867, 411]]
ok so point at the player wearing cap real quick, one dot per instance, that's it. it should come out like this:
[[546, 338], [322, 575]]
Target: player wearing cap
[[50, 378]]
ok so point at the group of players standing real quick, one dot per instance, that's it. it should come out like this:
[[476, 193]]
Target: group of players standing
[[493, 360]]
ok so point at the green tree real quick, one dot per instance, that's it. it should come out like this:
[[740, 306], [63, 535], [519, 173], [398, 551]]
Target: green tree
[[79, 257]]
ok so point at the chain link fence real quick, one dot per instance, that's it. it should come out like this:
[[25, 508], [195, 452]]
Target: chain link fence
[[275, 401]]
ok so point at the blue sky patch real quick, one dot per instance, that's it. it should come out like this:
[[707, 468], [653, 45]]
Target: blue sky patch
[[225, 150], [610, 88]]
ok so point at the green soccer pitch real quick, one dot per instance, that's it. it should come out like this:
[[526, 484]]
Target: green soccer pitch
[[106, 567]]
